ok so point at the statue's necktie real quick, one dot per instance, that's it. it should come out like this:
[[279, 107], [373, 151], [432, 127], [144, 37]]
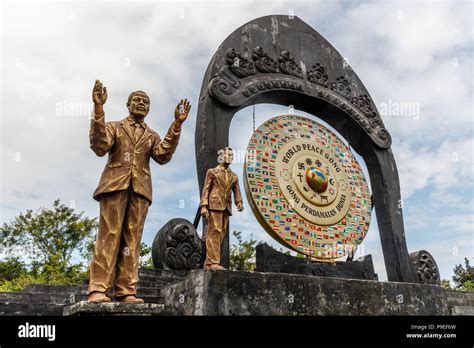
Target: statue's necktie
[[227, 178], [137, 131]]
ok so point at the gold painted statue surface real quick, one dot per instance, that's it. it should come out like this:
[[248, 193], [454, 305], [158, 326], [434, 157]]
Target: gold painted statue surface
[[216, 205], [124, 191]]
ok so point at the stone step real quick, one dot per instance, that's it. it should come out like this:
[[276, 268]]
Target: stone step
[[157, 281], [45, 298], [148, 294], [155, 274], [155, 278], [460, 298], [55, 289], [82, 289], [462, 310], [148, 279], [163, 273], [28, 308]]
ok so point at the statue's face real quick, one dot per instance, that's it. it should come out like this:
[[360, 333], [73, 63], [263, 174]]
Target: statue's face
[[139, 105]]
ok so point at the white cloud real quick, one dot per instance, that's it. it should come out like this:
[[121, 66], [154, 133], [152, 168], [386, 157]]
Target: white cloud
[[447, 167], [409, 35], [460, 223]]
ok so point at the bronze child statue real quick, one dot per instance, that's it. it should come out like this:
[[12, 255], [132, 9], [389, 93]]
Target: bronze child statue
[[124, 191], [216, 205]]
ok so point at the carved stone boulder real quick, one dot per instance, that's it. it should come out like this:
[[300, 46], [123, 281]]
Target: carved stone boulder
[[425, 267], [177, 246]]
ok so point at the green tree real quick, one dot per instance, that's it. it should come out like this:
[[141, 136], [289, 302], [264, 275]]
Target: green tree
[[446, 284], [242, 254], [50, 237], [464, 276], [12, 268], [145, 256]]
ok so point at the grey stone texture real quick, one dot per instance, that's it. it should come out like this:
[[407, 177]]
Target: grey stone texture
[[271, 260], [254, 293], [85, 308]]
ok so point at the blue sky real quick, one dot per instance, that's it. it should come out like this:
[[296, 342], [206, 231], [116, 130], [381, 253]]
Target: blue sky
[[415, 54]]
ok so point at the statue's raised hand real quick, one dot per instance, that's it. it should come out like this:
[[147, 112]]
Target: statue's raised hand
[[99, 94], [182, 111]]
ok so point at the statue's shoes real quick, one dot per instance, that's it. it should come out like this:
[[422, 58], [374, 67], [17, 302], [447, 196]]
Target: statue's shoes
[[97, 296], [130, 299]]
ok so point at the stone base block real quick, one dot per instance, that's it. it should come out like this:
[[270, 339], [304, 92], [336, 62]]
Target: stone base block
[[253, 293], [271, 260], [113, 308]]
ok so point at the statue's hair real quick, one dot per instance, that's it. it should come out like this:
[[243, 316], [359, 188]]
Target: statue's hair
[[224, 148], [133, 93]]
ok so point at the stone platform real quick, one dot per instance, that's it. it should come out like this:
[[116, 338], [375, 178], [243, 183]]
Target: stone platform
[[85, 308], [254, 293], [247, 293]]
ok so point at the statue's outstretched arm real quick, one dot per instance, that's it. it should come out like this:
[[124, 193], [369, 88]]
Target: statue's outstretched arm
[[101, 134], [163, 150]]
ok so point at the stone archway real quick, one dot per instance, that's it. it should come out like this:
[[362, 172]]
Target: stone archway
[[282, 60]]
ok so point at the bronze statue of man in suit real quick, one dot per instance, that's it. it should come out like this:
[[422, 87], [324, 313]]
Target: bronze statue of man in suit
[[216, 205], [124, 190]]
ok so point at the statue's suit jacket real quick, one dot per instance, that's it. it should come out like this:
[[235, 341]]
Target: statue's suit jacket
[[129, 160], [216, 194]]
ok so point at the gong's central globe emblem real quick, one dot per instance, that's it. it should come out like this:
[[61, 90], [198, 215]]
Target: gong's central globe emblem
[[316, 180]]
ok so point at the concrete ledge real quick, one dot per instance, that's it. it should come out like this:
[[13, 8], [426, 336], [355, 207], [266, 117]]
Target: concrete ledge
[[254, 293], [113, 308]]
